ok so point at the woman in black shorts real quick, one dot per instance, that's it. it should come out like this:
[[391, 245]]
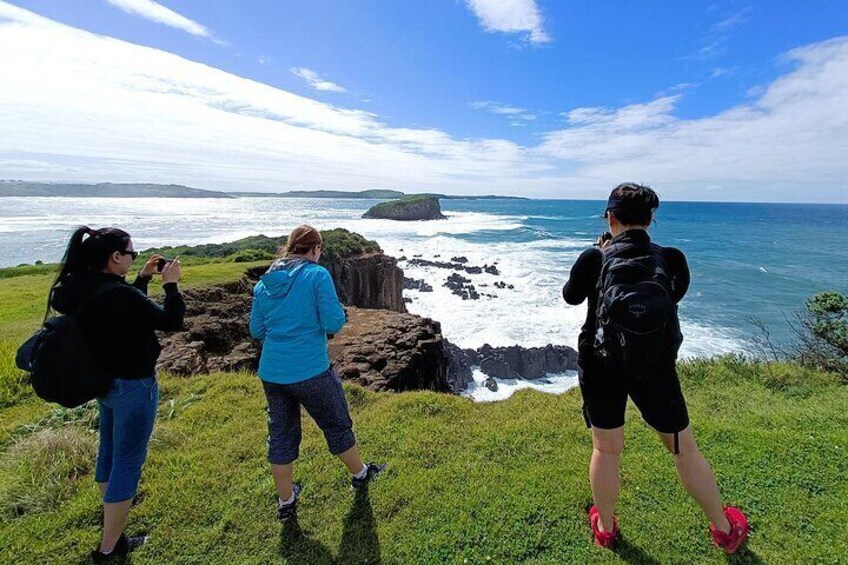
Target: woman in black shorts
[[647, 375]]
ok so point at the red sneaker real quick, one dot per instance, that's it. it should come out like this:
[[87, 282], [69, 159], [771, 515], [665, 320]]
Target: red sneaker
[[602, 539], [739, 528]]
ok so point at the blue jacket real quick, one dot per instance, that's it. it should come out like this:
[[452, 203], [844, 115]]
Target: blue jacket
[[295, 306]]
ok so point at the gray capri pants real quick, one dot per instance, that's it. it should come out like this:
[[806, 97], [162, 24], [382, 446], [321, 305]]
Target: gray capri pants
[[324, 400]]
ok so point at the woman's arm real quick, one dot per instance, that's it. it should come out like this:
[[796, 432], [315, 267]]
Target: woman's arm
[[679, 272], [142, 310], [331, 314], [257, 320], [583, 278]]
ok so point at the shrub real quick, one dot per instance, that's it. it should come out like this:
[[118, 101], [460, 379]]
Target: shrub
[[340, 243], [251, 255], [822, 333]]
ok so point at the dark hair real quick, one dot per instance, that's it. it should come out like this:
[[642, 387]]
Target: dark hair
[[88, 251], [633, 204], [302, 240]]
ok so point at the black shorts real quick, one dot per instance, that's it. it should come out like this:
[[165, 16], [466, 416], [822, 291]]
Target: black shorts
[[656, 393]]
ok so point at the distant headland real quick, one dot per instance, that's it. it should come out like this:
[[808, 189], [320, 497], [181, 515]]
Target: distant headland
[[23, 188]]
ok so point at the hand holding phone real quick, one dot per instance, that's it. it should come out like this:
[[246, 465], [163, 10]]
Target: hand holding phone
[[161, 262], [603, 240]]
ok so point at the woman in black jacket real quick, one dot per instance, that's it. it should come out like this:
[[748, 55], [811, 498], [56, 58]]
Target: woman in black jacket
[[120, 324]]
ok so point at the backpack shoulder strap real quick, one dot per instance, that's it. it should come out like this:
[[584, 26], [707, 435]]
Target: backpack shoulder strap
[[607, 255]]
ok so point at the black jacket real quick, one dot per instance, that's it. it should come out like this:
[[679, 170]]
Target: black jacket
[[583, 282], [121, 324]]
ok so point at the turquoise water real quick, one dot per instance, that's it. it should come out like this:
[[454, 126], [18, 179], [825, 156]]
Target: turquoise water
[[747, 260]]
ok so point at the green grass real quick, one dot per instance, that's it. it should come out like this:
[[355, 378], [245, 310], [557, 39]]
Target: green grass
[[475, 483]]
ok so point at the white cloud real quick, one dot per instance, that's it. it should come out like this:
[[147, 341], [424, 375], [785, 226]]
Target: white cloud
[[79, 106], [518, 117], [496, 108], [511, 16], [315, 82], [789, 144], [155, 12]]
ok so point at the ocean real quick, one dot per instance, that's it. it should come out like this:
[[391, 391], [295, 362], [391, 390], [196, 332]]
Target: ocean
[[747, 260]]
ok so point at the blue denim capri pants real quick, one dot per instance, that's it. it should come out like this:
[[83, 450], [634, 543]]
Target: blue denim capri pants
[[324, 400], [127, 415]]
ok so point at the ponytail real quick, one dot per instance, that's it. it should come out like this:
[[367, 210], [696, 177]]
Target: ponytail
[[87, 251]]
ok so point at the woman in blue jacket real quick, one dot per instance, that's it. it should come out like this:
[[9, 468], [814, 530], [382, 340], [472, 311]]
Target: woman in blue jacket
[[295, 308]]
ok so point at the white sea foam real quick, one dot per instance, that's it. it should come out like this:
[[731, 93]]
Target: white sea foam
[[552, 383]]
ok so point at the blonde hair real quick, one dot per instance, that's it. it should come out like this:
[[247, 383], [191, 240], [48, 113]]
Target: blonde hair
[[302, 240]]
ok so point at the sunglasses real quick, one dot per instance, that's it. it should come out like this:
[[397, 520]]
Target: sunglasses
[[134, 254]]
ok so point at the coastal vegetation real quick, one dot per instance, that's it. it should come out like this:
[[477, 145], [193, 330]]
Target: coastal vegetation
[[501, 483]]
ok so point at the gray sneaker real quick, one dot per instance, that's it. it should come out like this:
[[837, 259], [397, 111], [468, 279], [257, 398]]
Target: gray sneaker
[[373, 469], [286, 511]]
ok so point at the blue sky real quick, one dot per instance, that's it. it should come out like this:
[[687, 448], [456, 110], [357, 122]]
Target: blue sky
[[706, 101]]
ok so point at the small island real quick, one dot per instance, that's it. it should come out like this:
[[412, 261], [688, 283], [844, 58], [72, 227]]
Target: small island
[[407, 209]]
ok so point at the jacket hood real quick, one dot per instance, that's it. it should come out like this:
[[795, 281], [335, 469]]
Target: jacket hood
[[71, 293], [282, 274]]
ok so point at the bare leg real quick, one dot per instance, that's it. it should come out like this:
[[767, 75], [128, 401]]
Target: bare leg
[[102, 488], [114, 519], [697, 477], [604, 472], [352, 460], [283, 480]]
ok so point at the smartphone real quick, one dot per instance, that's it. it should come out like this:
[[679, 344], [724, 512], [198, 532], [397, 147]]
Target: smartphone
[[160, 264], [606, 236]]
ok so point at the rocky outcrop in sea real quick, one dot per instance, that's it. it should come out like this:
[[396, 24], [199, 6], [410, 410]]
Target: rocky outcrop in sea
[[407, 209]]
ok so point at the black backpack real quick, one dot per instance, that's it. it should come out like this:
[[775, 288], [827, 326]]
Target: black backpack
[[61, 364], [637, 323]]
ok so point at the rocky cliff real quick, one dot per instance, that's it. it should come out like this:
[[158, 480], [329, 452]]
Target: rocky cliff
[[382, 347], [369, 280], [372, 280], [394, 351], [407, 209]]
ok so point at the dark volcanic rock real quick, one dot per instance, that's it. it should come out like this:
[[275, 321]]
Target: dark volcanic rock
[[459, 368], [517, 362], [527, 363], [416, 284], [369, 281], [455, 264], [393, 351], [460, 286], [216, 337]]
